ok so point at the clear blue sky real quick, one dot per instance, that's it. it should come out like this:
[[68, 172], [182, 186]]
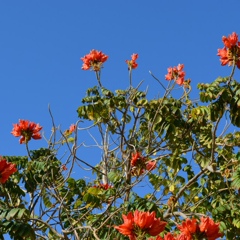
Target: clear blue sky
[[41, 43]]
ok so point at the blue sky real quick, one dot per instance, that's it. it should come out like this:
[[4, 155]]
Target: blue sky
[[42, 41]]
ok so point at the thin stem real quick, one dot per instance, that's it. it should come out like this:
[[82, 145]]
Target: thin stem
[[130, 76], [98, 74], [231, 75], [28, 150]]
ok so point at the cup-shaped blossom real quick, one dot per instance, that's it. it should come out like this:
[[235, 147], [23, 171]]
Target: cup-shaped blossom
[[176, 73], [137, 158], [167, 236], [156, 227], [151, 165], [127, 228], [140, 164], [132, 63], [231, 40], [6, 170], [210, 228], [188, 227], [170, 236], [230, 54], [104, 186], [141, 223], [26, 130], [94, 60], [69, 131], [72, 128], [182, 236], [144, 219]]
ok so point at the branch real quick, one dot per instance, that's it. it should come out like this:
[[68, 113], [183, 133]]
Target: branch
[[48, 225]]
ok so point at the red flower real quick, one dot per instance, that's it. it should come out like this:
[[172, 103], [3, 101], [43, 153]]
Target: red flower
[[151, 165], [64, 167], [136, 159], [26, 130], [140, 164], [156, 227], [94, 60], [132, 63], [182, 236], [176, 73], [103, 186], [127, 228], [141, 223], [230, 54], [210, 228], [189, 227], [72, 128], [231, 40], [168, 236], [6, 169], [144, 219]]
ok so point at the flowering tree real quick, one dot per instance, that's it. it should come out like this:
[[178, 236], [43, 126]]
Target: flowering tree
[[175, 148]]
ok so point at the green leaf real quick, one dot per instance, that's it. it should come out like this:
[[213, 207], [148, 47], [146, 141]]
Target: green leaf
[[12, 213]]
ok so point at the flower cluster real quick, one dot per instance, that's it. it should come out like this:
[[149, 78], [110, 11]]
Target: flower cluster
[[94, 60], [132, 63], [206, 229], [230, 54], [138, 224], [140, 164], [72, 128], [176, 73], [26, 130], [104, 186], [6, 170], [191, 229], [69, 131]]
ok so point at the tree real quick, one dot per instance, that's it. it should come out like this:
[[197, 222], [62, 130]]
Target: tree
[[184, 153]]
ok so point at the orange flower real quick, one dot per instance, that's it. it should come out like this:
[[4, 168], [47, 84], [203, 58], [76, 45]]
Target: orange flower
[[103, 186], [189, 227], [230, 54], [94, 60], [231, 40], [210, 228], [136, 159], [132, 63], [64, 167], [148, 222], [141, 223], [151, 165], [182, 236], [6, 169], [156, 227], [144, 219], [140, 164], [176, 73], [26, 130], [72, 128], [168, 236], [127, 228]]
